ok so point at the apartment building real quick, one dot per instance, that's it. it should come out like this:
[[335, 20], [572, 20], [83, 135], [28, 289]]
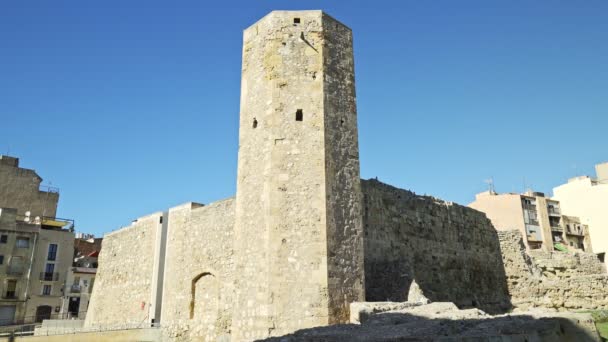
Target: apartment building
[[587, 198], [81, 277], [36, 247], [537, 217]]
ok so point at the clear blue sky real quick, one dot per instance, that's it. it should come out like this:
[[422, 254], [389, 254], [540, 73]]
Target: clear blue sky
[[131, 107]]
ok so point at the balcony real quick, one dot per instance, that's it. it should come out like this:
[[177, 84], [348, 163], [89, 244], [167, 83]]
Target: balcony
[[557, 228], [15, 270], [529, 207], [577, 232], [553, 211], [10, 295], [49, 276], [75, 288]]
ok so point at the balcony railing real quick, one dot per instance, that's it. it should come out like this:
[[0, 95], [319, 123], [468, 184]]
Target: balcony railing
[[557, 228], [75, 288], [553, 211], [10, 295], [575, 232], [530, 207], [49, 276], [15, 270]]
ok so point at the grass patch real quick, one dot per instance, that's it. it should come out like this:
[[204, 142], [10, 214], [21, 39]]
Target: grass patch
[[601, 322], [602, 328]]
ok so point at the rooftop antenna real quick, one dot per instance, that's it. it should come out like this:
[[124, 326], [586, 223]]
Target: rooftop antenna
[[490, 183]]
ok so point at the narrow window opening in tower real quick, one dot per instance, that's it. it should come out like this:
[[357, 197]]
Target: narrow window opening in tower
[[255, 123], [296, 21], [299, 115]]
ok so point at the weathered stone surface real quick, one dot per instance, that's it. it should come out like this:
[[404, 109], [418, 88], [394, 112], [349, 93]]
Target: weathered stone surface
[[298, 230], [445, 322], [198, 288], [452, 251], [558, 280], [123, 286]]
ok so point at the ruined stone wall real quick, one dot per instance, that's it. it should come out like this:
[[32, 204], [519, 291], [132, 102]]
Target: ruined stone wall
[[567, 264], [558, 280], [123, 285], [451, 251], [199, 272]]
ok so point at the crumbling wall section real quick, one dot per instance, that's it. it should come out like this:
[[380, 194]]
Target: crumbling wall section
[[558, 280], [123, 285], [565, 264], [199, 272], [450, 250]]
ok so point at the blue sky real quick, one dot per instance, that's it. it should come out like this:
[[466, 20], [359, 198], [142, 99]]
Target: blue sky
[[131, 107]]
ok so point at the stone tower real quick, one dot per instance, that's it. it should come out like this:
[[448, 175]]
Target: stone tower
[[298, 229]]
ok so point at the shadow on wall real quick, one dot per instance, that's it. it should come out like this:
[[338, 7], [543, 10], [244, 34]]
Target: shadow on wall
[[407, 327], [451, 251]]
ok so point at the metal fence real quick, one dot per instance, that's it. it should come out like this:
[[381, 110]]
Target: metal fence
[[62, 324]]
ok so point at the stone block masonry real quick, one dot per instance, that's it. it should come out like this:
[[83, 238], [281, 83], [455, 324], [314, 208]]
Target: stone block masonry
[[451, 251], [299, 249], [199, 283], [123, 286], [557, 280]]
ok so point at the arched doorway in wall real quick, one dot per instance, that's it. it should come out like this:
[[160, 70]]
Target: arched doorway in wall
[[204, 298], [43, 312]]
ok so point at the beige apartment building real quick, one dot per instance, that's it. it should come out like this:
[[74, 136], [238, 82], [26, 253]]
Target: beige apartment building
[[81, 277], [36, 248], [587, 198], [538, 218]]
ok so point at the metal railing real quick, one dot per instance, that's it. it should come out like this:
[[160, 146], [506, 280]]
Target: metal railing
[[553, 210], [75, 288], [34, 325], [15, 270], [10, 295], [49, 276]]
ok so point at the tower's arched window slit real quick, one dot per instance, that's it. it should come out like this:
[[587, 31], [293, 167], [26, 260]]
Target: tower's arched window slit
[[299, 115], [255, 123], [296, 21]]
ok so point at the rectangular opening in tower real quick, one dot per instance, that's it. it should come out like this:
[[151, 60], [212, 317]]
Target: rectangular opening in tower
[[296, 21], [299, 115]]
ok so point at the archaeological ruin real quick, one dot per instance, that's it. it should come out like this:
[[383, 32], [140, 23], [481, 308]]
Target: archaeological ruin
[[305, 238]]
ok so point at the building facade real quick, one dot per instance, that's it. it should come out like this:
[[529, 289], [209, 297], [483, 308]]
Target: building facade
[[81, 277], [36, 248], [538, 218], [587, 198]]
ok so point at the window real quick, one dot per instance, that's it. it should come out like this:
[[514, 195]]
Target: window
[[52, 255], [76, 280], [299, 115], [50, 268], [46, 290], [11, 288], [296, 21], [255, 123], [23, 242], [3, 238], [1, 259]]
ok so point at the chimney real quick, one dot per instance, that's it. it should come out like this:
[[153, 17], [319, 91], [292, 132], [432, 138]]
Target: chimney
[[601, 172]]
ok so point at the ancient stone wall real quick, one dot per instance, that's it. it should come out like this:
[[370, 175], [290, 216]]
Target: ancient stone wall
[[557, 280], [451, 251], [199, 272], [123, 285]]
